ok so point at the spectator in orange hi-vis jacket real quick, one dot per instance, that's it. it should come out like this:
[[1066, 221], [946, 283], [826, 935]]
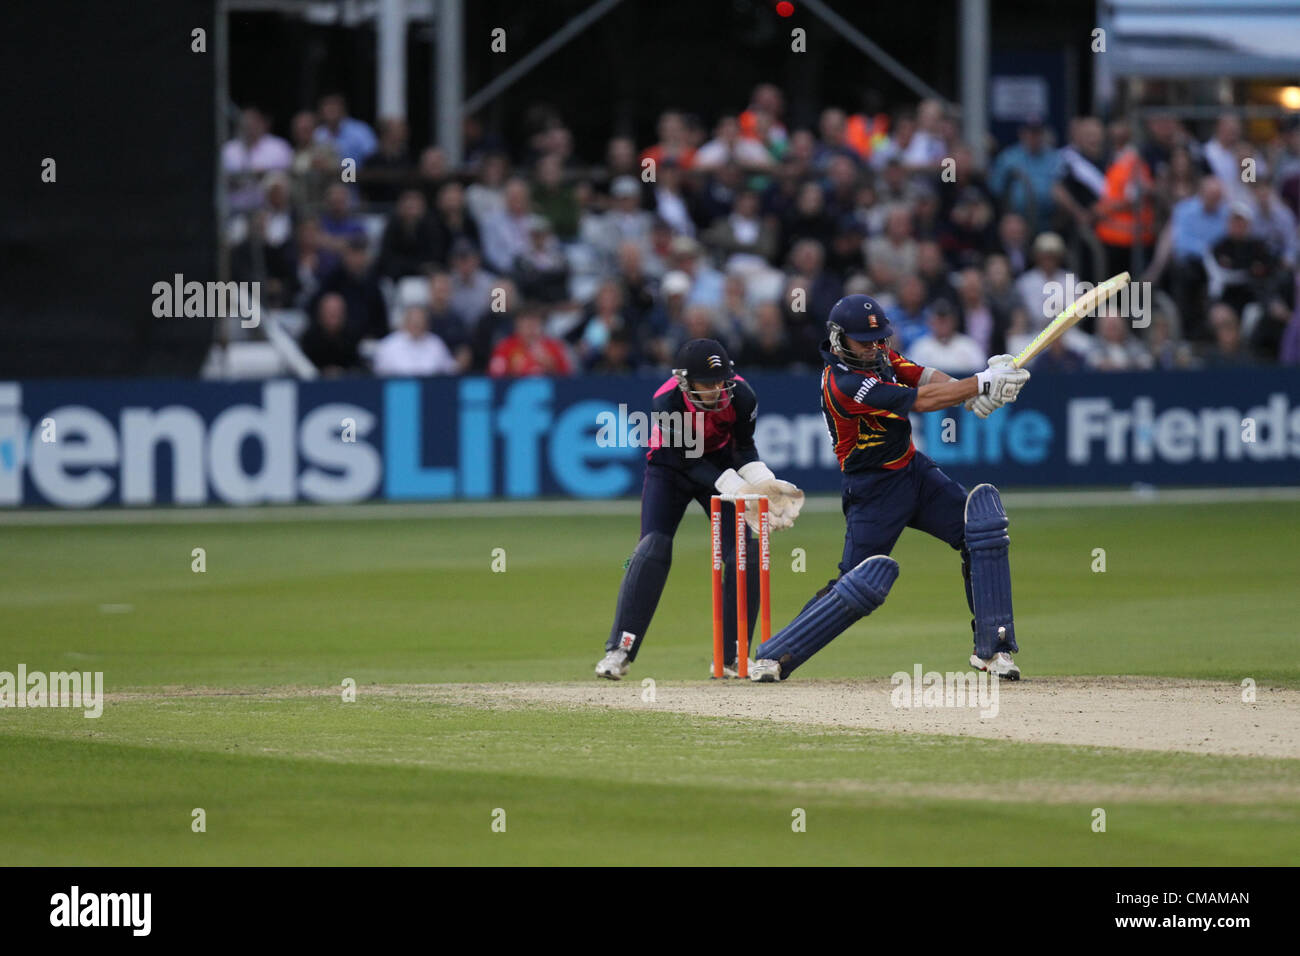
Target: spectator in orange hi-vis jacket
[[529, 351]]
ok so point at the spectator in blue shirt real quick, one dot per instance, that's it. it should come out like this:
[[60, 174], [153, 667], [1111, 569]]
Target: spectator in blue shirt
[[1195, 225], [1031, 159], [350, 138], [1199, 221]]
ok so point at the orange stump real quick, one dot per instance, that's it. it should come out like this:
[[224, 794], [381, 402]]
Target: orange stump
[[742, 579], [715, 522]]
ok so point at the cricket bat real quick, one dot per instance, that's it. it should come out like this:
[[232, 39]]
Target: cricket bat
[[1075, 311]]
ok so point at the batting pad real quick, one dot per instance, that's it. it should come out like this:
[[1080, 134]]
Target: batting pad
[[854, 596], [990, 571]]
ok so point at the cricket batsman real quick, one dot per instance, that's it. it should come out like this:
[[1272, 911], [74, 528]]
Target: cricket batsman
[[706, 396], [868, 390]]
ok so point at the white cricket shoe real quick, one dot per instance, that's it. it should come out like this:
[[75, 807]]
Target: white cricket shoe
[[728, 670], [765, 671], [613, 665], [999, 665]]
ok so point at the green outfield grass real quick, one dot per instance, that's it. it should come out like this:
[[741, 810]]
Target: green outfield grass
[[1189, 591]]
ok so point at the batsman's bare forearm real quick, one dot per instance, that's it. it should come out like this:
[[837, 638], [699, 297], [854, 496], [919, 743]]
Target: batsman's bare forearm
[[944, 391]]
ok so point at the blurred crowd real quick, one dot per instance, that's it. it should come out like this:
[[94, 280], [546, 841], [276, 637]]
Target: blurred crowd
[[529, 259]]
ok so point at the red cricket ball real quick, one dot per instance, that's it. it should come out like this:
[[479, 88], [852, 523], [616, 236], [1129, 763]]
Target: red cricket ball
[[784, 8]]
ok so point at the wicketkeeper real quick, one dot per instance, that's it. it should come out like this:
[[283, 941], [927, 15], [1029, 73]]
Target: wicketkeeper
[[868, 390], [722, 410]]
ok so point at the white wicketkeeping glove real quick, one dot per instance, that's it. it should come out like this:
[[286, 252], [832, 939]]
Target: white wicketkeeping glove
[[784, 500]]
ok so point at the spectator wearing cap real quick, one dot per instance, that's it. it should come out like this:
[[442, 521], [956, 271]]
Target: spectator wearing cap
[[452, 222], [326, 342], [1246, 266], [528, 351], [897, 245], [505, 234], [625, 220], [355, 280], [1045, 282], [408, 247], [249, 156], [706, 281], [669, 313], [745, 238], [540, 270], [338, 223], [350, 138], [1114, 349], [471, 285], [413, 350], [943, 347], [383, 175], [1023, 175], [1228, 349]]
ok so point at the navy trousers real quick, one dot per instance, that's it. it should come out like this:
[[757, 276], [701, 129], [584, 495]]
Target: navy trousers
[[878, 505], [665, 496]]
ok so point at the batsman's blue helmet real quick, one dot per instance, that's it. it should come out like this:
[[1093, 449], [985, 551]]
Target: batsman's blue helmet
[[861, 318]]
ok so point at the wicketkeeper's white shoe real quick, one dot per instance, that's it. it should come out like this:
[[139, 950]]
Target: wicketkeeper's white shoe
[[765, 671], [728, 670], [613, 665], [999, 665]]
